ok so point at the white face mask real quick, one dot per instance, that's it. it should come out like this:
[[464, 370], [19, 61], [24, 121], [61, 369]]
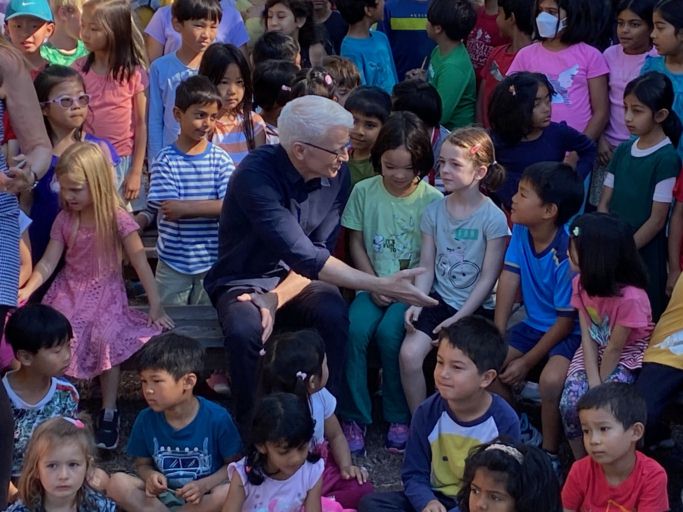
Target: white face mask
[[547, 25]]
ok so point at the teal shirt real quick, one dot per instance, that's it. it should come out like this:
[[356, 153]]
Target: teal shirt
[[453, 77], [54, 55]]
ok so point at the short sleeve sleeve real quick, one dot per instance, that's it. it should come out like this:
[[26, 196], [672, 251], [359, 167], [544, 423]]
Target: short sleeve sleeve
[[238, 467], [428, 221], [597, 65], [258, 122], [352, 218], [497, 226], [314, 473], [513, 253], [155, 28], [126, 223], [653, 495], [224, 170], [678, 188], [576, 298], [520, 61], [163, 184], [573, 491], [329, 402], [141, 80], [59, 227], [634, 310], [562, 295], [669, 166]]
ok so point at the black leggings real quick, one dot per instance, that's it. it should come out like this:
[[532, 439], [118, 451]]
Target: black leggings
[[6, 429]]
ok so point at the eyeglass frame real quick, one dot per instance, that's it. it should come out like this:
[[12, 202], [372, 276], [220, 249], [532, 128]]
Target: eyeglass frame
[[337, 154], [74, 99]]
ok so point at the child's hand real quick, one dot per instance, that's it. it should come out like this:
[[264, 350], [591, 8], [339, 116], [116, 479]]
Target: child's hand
[[131, 185], [449, 321], [515, 372], [155, 484], [24, 294], [605, 151], [192, 492], [173, 209], [381, 300], [411, 316], [415, 74], [359, 473], [674, 274], [159, 318], [434, 506]]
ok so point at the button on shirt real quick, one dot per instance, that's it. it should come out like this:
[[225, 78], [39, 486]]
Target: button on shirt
[[273, 222]]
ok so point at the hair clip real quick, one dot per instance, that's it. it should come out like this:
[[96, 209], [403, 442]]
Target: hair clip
[[301, 375], [475, 149], [576, 231], [512, 90], [75, 422], [510, 450], [262, 352], [328, 80], [285, 87]]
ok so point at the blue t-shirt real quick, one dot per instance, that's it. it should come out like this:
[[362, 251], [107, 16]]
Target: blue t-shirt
[[405, 24], [372, 56], [545, 277], [193, 452], [657, 63]]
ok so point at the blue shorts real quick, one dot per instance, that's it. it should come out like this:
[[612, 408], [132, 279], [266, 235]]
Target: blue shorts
[[524, 337]]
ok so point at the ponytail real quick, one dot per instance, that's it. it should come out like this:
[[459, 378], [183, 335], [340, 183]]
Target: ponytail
[[495, 175], [480, 150], [673, 128]]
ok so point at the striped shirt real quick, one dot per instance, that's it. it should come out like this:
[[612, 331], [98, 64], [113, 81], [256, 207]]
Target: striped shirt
[[189, 245], [231, 138]]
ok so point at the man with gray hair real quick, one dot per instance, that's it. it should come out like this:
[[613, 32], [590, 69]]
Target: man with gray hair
[[278, 226]]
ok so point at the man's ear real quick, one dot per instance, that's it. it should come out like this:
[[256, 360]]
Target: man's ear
[[298, 151]]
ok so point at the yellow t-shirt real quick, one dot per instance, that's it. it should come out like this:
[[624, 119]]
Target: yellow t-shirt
[[666, 343]]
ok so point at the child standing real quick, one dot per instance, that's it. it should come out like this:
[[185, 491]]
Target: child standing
[[463, 244], [641, 176], [39, 336], [523, 133], [273, 80], [189, 182], [279, 472], [614, 475], [93, 233], [196, 21], [238, 129], [64, 102], [577, 71], [296, 363], [537, 262], [382, 217], [450, 69], [182, 444], [515, 23], [370, 107], [485, 35], [368, 49], [65, 45], [29, 25], [462, 414], [116, 80], [59, 461], [345, 75], [614, 312], [508, 477]]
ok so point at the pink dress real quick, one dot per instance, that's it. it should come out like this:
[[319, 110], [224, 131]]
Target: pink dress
[[106, 331]]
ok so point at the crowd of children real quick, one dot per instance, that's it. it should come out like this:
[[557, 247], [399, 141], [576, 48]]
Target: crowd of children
[[522, 157]]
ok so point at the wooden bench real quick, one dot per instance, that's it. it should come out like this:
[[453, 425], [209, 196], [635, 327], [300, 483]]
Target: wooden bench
[[201, 323]]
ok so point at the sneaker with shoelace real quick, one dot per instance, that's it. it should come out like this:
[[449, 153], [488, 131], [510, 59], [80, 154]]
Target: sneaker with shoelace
[[107, 432], [355, 436]]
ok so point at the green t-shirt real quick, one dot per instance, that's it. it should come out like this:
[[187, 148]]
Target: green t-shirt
[[390, 224], [360, 170], [54, 55], [453, 77]]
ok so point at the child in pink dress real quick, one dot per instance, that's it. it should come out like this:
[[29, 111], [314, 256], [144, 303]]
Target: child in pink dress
[[94, 232]]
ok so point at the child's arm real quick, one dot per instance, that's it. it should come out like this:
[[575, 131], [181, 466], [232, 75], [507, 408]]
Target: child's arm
[[155, 482], [358, 255], [490, 270], [653, 225], [339, 447], [132, 245], [155, 117], [175, 209], [599, 98], [192, 492], [44, 269], [423, 281], [590, 353], [508, 285], [25, 258], [605, 198], [312, 502], [131, 183], [612, 353], [675, 240], [236, 495]]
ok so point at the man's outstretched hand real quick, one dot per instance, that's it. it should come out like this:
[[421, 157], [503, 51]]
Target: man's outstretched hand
[[400, 286]]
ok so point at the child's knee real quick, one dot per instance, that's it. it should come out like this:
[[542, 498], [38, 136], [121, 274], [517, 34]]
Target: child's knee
[[550, 386], [411, 357], [99, 480]]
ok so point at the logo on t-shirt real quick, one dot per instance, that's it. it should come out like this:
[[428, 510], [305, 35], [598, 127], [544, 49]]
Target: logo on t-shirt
[[562, 84], [181, 465]]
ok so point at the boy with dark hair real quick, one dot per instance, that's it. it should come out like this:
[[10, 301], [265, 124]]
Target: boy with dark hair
[[450, 69], [536, 261], [484, 36], [423, 100], [461, 415], [182, 444], [39, 336], [273, 80], [276, 46], [369, 50], [29, 25], [614, 475], [189, 181], [345, 75], [514, 23], [370, 107], [196, 21]]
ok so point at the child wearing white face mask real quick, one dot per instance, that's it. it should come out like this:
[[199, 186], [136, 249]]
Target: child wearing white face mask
[[577, 71]]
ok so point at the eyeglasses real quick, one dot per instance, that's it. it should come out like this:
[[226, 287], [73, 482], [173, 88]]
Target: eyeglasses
[[65, 101], [337, 154]]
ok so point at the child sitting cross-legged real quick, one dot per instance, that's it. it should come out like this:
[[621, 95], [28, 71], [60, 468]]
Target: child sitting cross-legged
[[446, 426], [182, 444], [615, 476]]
